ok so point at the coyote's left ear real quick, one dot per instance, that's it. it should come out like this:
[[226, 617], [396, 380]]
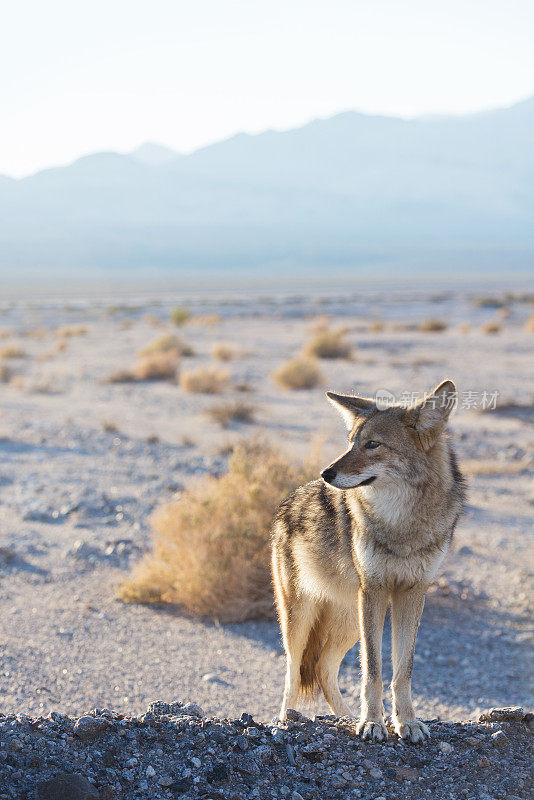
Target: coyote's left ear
[[429, 417], [350, 407]]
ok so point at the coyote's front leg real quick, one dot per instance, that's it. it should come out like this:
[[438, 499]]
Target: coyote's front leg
[[372, 604], [406, 610]]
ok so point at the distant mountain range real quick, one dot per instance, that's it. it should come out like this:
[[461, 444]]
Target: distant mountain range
[[347, 194]]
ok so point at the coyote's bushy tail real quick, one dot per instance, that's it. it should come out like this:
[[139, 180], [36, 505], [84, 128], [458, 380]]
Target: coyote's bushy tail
[[309, 682]]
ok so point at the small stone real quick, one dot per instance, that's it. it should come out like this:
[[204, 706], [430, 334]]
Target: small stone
[[509, 714], [374, 772], [165, 780], [445, 748], [295, 716], [88, 728], [483, 762], [196, 762], [191, 710], [150, 771], [337, 782], [66, 786], [290, 754], [296, 796], [499, 739], [405, 773], [16, 744]]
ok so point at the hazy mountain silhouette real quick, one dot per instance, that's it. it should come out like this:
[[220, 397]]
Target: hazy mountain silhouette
[[340, 192]]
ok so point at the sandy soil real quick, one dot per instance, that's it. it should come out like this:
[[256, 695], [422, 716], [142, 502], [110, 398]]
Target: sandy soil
[[83, 463]]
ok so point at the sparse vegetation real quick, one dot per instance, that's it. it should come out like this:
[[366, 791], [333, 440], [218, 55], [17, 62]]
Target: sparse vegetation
[[205, 380], [167, 343], [156, 367], [5, 373], [120, 376], [60, 346], [491, 328], [223, 351], [206, 319], [68, 331], [491, 302], [180, 315], [212, 547], [376, 326], [12, 351], [299, 373], [236, 411], [432, 325], [329, 343]]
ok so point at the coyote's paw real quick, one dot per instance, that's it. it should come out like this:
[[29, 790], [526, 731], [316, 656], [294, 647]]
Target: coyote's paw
[[414, 731], [373, 730]]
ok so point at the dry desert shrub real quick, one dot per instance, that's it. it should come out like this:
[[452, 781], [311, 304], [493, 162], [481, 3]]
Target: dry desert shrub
[[299, 373], [61, 345], [432, 325], [206, 319], [167, 343], [205, 380], [223, 351], [120, 376], [236, 411], [211, 548], [529, 324], [376, 326], [180, 315], [329, 343], [491, 328], [12, 351], [68, 331], [5, 373], [156, 367]]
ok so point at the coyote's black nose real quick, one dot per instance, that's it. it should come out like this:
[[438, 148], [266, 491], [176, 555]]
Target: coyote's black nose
[[328, 474]]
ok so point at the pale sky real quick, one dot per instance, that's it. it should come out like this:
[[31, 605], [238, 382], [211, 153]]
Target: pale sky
[[110, 74]]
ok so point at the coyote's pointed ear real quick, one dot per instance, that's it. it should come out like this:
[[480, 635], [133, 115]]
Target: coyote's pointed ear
[[350, 407], [429, 417]]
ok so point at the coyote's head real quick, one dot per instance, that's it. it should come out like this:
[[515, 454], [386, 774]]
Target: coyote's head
[[390, 444]]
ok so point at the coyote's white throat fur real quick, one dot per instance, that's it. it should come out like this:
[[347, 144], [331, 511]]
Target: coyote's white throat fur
[[372, 532]]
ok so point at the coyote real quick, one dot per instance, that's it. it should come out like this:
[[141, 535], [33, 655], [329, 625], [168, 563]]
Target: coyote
[[373, 531]]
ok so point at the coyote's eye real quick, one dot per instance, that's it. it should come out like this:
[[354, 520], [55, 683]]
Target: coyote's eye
[[372, 445]]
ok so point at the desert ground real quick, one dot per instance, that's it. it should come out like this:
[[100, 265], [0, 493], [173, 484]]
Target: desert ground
[[84, 462]]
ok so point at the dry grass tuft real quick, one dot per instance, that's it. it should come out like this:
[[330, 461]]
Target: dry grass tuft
[[12, 351], [180, 315], [61, 345], [299, 373], [329, 343], [529, 324], [156, 367], [207, 319], [167, 343], [5, 374], [491, 328], [223, 351], [211, 549], [68, 331], [205, 380], [120, 376], [236, 411], [432, 325], [376, 326]]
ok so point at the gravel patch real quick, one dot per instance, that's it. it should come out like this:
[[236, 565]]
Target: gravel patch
[[173, 750]]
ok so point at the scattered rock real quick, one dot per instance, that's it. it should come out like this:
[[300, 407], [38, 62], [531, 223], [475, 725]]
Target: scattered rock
[[445, 748], [511, 714], [87, 728], [499, 739], [66, 786]]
